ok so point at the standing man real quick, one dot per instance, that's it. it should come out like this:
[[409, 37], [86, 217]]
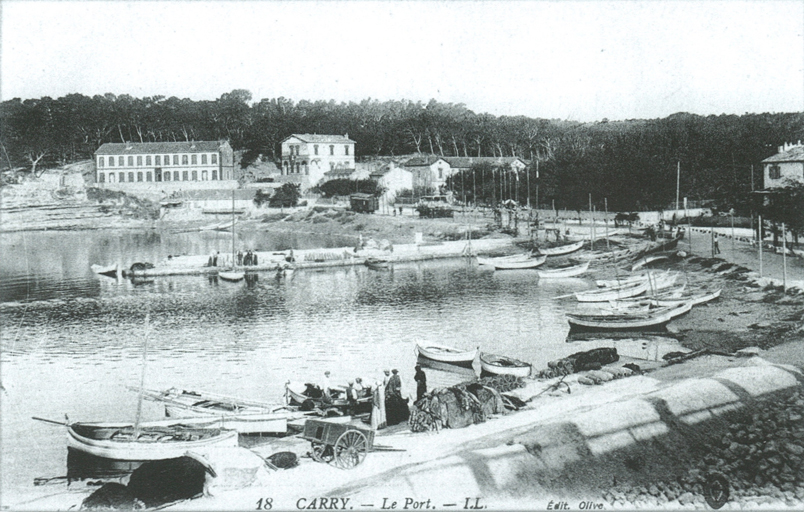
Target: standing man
[[717, 245], [421, 382], [325, 387], [394, 384]]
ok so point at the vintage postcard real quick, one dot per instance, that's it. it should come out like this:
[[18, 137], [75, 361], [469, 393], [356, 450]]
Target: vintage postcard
[[401, 256]]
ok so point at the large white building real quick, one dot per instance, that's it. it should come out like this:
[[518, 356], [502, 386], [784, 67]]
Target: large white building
[[139, 164], [787, 165], [311, 155]]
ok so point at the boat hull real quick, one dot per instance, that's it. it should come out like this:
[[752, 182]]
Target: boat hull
[[512, 263], [140, 450], [108, 270], [564, 272], [445, 354], [606, 295], [231, 276], [627, 322], [518, 369], [564, 249], [267, 423]]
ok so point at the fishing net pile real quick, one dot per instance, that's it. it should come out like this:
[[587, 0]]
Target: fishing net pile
[[462, 405], [579, 362]]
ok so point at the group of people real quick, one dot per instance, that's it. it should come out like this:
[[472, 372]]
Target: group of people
[[247, 258], [389, 407]]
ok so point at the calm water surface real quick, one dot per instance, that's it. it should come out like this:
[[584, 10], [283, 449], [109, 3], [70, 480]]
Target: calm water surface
[[72, 342]]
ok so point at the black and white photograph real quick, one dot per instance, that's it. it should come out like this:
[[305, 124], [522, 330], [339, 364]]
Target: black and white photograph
[[388, 255]]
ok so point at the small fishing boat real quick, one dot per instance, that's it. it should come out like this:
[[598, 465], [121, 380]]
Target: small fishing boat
[[445, 354], [655, 280], [615, 293], [669, 245], [570, 271], [670, 294], [231, 275], [694, 298], [503, 365], [154, 440], [647, 260], [563, 249], [106, 270], [517, 261], [628, 321], [244, 416], [377, 263], [221, 226]]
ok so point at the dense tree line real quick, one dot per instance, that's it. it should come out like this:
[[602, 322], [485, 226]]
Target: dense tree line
[[631, 163]]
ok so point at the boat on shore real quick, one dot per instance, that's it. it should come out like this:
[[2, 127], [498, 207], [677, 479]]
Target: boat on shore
[[517, 261], [628, 321], [562, 272], [694, 298], [614, 293], [655, 280], [107, 270], [562, 249], [445, 354], [244, 416], [647, 260], [155, 440], [503, 365]]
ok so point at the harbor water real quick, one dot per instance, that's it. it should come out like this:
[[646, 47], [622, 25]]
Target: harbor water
[[73, 342]]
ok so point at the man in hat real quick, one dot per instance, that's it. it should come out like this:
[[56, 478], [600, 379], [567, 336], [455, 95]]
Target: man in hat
[[325, 387], [421, 382], [394, 384]]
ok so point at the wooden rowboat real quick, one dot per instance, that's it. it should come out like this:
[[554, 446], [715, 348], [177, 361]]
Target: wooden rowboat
[[155, 440], [655, 280], [231, 275], [377, 263], [628, 321], [556, 273], [445, 354], [563, 249], [647, 260], [503, 365], [694, 299], [244, 416], [518, 261], [608, 294]]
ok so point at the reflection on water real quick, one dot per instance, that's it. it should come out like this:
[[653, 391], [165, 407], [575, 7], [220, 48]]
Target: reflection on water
[[72, 342]]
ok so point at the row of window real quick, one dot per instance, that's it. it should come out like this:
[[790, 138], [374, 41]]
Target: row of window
[[157, 160], [299, 167], [157, 175], [295, 148]]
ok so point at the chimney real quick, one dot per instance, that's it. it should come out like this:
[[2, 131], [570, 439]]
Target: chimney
[[346, 135]]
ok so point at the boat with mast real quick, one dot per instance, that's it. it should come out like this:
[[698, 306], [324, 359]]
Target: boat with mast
[[232, 274]]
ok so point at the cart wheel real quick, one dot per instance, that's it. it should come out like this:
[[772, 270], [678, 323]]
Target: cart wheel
[[350, 449], [321, 452]]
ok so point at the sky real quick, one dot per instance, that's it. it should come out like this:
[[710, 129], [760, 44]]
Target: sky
[[574, 60]]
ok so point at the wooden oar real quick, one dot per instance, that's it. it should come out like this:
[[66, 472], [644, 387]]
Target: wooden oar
[[54, 422]]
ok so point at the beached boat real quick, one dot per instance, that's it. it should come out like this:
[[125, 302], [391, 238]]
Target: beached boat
[[244, 416], [107, 270], [655, 318], [694, 298], [656, 280], [615, 293], [445, 354], [672, 293], [377, 263], [154, 440], [517, 261], [647, 260], [669, 245], [563, 249], [557, 273], [503, 365]]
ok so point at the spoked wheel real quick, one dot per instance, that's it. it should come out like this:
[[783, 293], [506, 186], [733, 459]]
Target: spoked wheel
[[321, 452], [350, 449]]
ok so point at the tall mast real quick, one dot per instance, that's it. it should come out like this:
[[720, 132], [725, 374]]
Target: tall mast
[[233, 229]]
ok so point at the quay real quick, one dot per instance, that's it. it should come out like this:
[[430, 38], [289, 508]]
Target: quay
[[331, 257]]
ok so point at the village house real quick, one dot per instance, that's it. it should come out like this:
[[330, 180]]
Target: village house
[[393, 179], [311, 155], [429, 171], [465, 163], [786, 165], [150, 166]]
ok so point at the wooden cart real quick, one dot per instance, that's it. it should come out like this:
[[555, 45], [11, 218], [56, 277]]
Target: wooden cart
[[342, 444]]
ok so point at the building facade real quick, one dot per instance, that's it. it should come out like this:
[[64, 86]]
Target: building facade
[[785, 166], [139, 164], [429, 172], [312, 155]]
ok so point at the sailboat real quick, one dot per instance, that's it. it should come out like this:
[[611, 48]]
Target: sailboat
[[232, 274]]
